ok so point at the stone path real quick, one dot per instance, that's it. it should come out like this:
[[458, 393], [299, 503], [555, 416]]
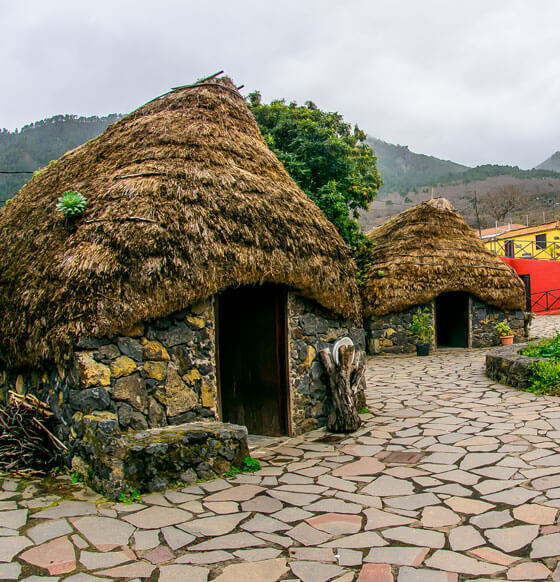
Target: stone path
[[545, 325], [452, 478]]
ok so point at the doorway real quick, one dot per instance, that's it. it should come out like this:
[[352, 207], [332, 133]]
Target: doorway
[[452, 320], [252, 358]]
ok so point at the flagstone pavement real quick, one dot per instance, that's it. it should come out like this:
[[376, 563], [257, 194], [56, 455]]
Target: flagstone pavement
[[451, 478]]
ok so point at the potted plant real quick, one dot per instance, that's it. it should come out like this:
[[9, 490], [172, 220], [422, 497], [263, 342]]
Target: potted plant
[[504, 331], [423, 329]]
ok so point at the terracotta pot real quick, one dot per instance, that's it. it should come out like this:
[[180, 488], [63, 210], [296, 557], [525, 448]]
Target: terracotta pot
[[506, 340]]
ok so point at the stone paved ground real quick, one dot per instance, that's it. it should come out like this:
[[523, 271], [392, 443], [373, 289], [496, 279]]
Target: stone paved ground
[[545, 325], [452, 477]]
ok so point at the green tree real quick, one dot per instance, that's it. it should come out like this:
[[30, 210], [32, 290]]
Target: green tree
[[327, 158]]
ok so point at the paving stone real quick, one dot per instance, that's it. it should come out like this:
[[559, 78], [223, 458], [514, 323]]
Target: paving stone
[[546, 546], [333, 506], [146, 539], [228, 542], [159, 555], [336, 483], [364, 500], [439, 516], [375, 573], [6, 532], [213, 526], [257, 555], [515, 496], [415, 536], [474, 460], [464, 538], [407, 574], [529, 571], [492, 555], [492, 519], [550, 461], [510, 539], [264, 523], [451, 489], [290, 514], [157, 516], [377, 519], [459, 476], [264, 571], [413, 502], [97, 560], [10, 571], [261, 504], [468, 506], [13, 519], [11, 546], [364, 466], [297, 499], [336, 523], [454, 562], [104, 530], [212, 557], [134, 570], [385, 485], [314, 571], [48, 530], [399, 556], [536, 514], [349, 558], [313, 554], [359, 540], [175, 538], [67, 509], [283, 541], [307, 535], [239, 493], [56, 556], [180, 573]]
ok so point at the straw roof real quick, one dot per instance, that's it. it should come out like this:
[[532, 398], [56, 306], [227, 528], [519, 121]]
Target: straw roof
[[184, 199], [427, 250]]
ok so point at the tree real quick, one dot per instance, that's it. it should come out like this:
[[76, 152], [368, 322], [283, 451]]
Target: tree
[[326, 157], [499, 201]]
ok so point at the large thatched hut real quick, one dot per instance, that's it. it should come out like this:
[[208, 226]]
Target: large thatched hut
[[199, 283], [428, 257]]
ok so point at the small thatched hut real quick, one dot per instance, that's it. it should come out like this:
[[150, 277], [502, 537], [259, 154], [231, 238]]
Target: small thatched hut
[[428, 256], [200, 281]]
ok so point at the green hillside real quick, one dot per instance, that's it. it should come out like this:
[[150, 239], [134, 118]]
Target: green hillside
[[36, 144], [403, 170]]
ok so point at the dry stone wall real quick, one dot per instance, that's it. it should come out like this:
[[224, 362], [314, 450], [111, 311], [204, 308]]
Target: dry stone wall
[[483, 319], [311, 329]]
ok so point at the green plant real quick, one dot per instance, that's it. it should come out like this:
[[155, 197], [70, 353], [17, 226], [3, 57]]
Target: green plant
[[71, 204], [77, 477], [421, 326], [547, 348], [130, 496], [545, 377], [364, 410], [232, 472], [250, 465], [503, 328]]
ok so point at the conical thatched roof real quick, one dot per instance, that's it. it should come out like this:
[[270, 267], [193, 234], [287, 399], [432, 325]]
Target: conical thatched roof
[[184, 199], [427, 250]]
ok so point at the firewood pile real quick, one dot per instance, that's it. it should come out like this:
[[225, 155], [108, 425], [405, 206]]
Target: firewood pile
[[27, 445]]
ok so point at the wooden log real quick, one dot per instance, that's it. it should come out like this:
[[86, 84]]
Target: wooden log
[[344, 383]]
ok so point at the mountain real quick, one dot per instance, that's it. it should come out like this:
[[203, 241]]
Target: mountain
[[553, 163], [36, 144], [403, 170]]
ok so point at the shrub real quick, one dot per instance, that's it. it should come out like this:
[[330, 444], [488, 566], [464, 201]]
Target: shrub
[[545, 378], [503, 328], [547, 348], [421, 326]]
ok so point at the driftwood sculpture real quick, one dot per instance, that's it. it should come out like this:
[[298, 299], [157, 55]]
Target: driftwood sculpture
[[345, 381]]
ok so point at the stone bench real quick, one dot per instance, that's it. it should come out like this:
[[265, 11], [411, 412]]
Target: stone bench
[[116, 462]]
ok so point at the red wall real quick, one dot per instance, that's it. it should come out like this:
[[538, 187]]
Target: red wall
[[545, 276]]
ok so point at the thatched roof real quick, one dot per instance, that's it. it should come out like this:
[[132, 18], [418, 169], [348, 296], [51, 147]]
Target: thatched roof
[[184, 199], [427, 250]]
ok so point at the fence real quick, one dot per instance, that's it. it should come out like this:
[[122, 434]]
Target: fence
[[525, 249], [542, 301]]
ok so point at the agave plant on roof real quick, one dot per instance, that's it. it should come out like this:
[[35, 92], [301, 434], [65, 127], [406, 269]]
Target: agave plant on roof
[[71, 204]]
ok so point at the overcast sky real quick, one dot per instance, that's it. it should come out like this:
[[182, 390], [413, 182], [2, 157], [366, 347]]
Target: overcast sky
[[474, 81]]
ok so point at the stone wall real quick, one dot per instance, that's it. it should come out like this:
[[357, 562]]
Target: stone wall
[[389, 333], [507, 366], [483, 319], [311, 329]]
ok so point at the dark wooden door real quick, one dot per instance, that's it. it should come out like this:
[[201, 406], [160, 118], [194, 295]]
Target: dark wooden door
[[510, 248], [252, 356], [452, 320], [527, 282]]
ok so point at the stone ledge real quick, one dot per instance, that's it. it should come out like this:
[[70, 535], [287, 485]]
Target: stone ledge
[[153, 459], [507, 366]]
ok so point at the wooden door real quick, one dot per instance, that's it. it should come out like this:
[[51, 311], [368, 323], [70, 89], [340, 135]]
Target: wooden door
[[252, 358]]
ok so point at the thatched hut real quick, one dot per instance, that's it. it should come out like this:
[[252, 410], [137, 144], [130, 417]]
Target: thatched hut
[[200, 281], [428, 256]]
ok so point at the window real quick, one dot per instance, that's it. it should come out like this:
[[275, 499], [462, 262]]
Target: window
[[540, 239]]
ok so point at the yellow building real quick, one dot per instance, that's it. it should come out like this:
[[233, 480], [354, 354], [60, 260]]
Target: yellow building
[[532, 242]]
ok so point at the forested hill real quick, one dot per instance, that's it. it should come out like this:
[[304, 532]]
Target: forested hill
[[403, 170], [36, 144]]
